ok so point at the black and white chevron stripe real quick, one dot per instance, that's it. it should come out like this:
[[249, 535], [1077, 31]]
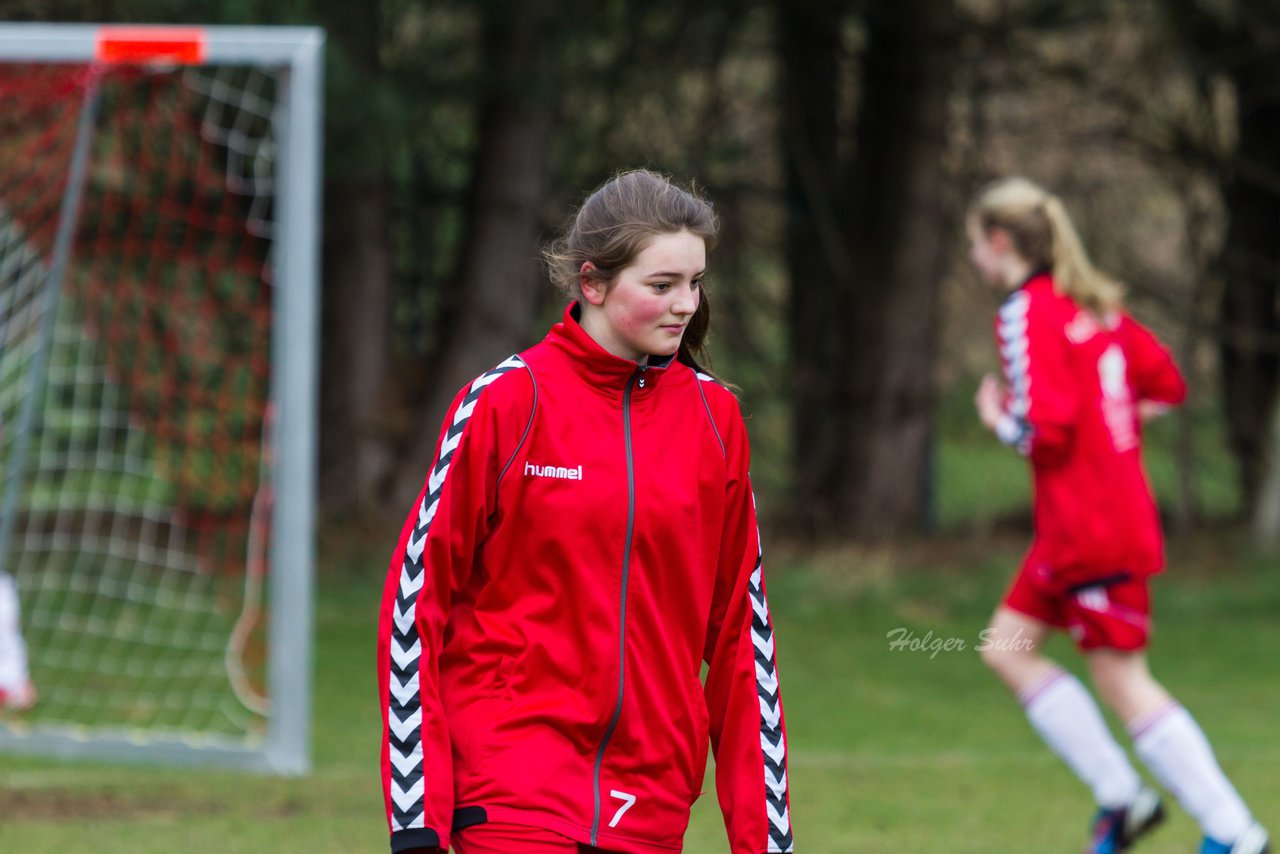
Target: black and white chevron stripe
[[772, 744], [1015, 352], [405, 703]]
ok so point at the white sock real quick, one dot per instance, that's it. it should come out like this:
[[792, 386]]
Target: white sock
[[1067, 718], [13, 652], [1173, 746]]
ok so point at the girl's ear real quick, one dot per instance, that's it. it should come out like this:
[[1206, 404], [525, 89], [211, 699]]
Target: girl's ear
[[593, 290]]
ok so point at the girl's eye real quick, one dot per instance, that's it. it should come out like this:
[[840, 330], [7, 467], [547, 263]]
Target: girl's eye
[[695, 284], [661, 287]]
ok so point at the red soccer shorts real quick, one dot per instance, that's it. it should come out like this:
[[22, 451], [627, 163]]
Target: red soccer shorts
[[499, 838], [1111, 613]]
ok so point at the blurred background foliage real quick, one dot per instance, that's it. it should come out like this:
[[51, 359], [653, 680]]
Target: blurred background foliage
[[840, 142]]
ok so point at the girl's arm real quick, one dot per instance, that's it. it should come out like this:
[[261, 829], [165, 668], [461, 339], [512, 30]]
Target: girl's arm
[[432, 561], [743, 699], [1153, 374], [1038, 406]]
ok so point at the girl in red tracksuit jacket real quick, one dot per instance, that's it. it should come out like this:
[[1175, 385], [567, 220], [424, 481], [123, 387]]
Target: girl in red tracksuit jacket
[[586, 539], [1080, 376]]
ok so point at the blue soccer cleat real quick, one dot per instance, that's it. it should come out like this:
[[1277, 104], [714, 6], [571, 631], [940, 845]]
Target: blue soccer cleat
[[1252, 841], [1116, 830]]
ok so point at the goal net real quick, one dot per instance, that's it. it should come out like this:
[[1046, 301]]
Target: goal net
[[157, 290]]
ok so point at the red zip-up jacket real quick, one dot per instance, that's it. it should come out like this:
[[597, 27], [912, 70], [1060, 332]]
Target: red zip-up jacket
[[585, 540], [1074, 385]]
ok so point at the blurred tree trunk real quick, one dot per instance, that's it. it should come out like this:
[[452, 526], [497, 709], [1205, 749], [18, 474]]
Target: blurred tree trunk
[[357, 290], [1235, 41], [1266, 518], [1250, 309], [498, 280], [356, 356], [866, 303], [817, 259], [900, 230]]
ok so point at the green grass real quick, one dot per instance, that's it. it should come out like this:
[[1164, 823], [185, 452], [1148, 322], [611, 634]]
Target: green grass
[[891, 750]]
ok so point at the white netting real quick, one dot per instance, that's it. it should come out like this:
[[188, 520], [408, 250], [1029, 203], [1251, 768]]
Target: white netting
[[138, 527]]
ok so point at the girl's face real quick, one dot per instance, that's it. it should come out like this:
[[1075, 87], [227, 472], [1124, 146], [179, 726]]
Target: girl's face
[[645, 309], [991, 253]]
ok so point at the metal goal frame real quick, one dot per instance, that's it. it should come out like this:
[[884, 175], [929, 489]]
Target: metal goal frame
[[294, 54]]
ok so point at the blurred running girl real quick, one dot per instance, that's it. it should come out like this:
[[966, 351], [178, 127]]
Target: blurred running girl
[[1080, 377]]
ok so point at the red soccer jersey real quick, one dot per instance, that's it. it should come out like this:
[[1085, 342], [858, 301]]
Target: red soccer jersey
[[1074, 385], [586, 539]]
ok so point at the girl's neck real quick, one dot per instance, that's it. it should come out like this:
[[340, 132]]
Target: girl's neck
[[596, 325], [1016, 272]]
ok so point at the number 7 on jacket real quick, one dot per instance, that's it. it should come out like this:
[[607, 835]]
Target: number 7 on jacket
[[622, 810]]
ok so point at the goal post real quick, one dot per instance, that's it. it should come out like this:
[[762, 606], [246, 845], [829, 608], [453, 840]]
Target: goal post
[[159, 207]]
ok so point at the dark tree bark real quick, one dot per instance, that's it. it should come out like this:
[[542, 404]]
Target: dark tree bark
[[900, 229], [358, 289], [1235, 42], [817, 260], [866, 266], [356, 356], [497, 286], [1250, 309]]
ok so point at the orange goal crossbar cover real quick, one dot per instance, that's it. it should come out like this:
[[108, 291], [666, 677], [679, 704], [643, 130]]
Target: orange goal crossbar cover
[[177, 45]]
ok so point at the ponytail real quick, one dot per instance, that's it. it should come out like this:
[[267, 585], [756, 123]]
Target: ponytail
[[1042, 233], [1073, 273]]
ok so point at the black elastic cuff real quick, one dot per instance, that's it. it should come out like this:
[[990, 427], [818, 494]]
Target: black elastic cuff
[[418, 837], [469, 817]]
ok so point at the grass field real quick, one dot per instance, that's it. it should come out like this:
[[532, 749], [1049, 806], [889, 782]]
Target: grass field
[[891, 750]]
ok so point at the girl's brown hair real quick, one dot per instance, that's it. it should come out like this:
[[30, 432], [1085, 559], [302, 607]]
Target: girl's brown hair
[[1043, 235], [616, 223]]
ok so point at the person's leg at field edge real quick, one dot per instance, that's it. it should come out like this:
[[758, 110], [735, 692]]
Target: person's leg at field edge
[[1172, 745], [1059, 707], [1065, 715], [16, 691]]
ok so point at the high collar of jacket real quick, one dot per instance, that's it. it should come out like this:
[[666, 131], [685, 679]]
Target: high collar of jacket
[[600, 368], [1035, 277]]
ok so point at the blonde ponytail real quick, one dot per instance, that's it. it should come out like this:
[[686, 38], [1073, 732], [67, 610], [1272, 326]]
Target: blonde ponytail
[[1073, 273], [1042, 233]]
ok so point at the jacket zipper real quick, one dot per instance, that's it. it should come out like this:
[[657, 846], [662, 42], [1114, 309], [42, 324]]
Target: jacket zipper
[[622, 614]]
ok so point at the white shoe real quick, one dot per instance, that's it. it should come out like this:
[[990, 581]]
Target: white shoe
[[1252, 841]]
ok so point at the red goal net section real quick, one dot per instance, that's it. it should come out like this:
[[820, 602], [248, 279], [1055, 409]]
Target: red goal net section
[[158, 305]]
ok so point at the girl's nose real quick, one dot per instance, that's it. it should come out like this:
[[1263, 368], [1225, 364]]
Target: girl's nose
[[686, 301]]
